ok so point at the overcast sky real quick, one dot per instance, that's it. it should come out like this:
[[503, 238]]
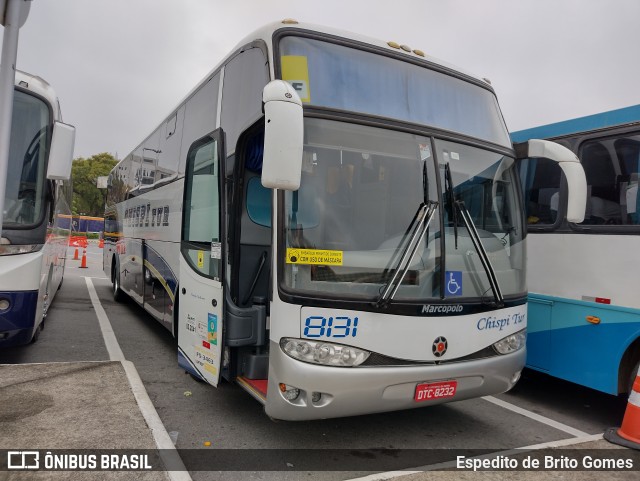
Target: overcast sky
[[120, 66]]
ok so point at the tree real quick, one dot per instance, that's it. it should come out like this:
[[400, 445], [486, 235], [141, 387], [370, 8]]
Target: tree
[[87, 198]]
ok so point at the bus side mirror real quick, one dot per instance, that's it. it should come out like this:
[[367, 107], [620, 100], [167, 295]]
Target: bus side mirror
[[571, 167], [283, 136], [61, 152]]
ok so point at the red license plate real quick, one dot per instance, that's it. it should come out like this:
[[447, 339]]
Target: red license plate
[[435, 390]]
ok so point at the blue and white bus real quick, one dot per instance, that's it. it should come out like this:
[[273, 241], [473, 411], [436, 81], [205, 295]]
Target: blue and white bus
[[334, 223], [584, 284], [33, 245]]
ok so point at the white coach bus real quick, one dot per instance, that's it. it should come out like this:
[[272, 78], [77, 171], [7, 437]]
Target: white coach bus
[[334, 223], [33, 245]]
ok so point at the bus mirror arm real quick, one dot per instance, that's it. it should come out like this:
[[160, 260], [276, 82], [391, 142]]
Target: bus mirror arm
[[571, 168]]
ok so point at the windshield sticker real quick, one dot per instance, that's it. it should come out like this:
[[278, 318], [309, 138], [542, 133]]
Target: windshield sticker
[[455, 156], [314, 256], [200, 259], [454, 283], [296, 72]]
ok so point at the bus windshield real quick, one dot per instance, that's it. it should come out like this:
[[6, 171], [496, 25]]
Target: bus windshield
[[24, 198], [346, 226], [334, 76]]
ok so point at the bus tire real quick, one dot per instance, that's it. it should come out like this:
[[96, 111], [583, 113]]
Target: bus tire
[[632, 377], [118, 294], [175, 314]]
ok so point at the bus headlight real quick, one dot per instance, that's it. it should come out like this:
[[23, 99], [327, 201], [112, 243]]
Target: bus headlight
[[511, 343], [8, 249], [325, 353]]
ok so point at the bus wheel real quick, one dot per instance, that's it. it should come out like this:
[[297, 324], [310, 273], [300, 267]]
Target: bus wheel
[[632, 377], [118, 295]]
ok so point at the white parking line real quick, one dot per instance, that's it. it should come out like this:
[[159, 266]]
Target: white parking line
[[536, 417], [168, 452], [110, 341]]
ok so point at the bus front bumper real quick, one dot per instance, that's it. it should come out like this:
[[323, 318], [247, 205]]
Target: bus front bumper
[[366, 390], [16, 322]]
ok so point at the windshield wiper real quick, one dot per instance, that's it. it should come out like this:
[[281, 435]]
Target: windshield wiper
[[482, 252], [422, 219], [458, 205]]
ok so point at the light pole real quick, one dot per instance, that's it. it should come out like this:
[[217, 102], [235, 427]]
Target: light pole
[[13, 14]]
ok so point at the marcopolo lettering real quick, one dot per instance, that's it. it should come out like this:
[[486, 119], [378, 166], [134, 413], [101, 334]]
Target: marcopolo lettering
[[441, 309]]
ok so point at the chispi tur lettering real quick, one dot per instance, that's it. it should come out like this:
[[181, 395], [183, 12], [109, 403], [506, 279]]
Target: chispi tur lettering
[[490, 322]]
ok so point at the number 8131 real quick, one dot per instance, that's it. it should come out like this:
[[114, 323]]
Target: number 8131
[[334, 327]]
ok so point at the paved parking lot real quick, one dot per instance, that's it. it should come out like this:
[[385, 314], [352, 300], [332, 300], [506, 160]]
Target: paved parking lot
[[539, 411]]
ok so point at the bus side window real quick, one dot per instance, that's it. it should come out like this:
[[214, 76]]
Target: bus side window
[[611, 166], [202, 209], [540, 180], [628, 153]]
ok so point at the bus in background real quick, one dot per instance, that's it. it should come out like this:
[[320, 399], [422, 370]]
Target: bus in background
[[33, 245], [584, 302], [82, 224], [334, 223]]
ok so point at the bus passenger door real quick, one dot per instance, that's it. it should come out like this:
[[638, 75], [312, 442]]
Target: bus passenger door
[[200, 295]]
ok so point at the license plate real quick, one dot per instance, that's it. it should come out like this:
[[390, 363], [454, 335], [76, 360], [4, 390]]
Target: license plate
[[435, 390]]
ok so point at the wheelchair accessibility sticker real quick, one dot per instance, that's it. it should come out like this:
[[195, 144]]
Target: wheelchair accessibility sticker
[[453, 283]]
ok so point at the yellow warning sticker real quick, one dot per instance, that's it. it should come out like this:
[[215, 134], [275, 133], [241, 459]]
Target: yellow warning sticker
[[314, 256], [200, 259], [296, 71], [211, 369]]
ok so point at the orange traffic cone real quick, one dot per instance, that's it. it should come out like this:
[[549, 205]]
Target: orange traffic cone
[[75, 255], [628, 434], [101, 244], [83, 264]]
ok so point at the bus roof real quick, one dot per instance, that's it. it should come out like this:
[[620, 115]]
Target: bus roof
[[267, 31], [627, 115], [41, 87]]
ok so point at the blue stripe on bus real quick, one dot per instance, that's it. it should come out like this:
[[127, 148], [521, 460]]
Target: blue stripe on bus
[[162, 268], [16, 323], [185, 364], [561, 342], [583, 124]]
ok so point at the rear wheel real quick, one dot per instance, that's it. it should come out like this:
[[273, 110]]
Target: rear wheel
[[118, 295]]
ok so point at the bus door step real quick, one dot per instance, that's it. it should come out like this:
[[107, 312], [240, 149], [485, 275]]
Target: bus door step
[[256, 387]]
